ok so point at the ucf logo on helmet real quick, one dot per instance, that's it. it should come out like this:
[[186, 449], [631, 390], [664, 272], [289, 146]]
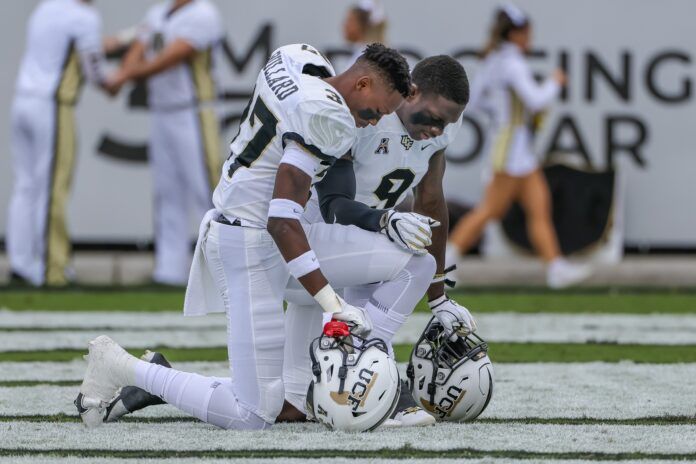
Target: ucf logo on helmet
[[359, 392], [447, 404]]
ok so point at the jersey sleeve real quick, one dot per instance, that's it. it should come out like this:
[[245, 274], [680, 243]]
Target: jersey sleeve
[[201, 29], [145, 29], [535, 96], [89, 46], [324, 128]]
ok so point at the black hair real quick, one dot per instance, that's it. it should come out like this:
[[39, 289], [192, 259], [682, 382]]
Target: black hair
[[442, 75], [390, 64]]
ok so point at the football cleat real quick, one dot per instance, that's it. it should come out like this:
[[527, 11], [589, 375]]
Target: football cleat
[[109, 367], [130, 399], [407, 413]]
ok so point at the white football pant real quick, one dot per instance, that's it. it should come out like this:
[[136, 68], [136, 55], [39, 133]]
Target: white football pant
[[252, 278], [185, 163], [43, 146], [387, 303]]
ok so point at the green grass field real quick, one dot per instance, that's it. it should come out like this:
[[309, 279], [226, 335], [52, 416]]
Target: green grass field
[[617, 301], [590, 420]]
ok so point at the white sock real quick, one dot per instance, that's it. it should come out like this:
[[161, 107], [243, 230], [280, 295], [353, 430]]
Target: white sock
[[187, 391]]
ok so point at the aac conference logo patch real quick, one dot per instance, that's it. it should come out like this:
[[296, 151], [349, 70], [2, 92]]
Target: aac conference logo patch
[[383, 148]]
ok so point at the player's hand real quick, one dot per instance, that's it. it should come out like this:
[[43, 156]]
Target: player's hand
[[455, 318], [354, 315], [411, 231], [112, 84]]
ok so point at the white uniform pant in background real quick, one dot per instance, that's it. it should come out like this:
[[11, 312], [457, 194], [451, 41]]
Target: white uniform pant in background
[[185, 162], [373, 273], [43, 147]]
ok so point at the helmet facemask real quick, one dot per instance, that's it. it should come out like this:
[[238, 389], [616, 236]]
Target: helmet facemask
[[451, 379]]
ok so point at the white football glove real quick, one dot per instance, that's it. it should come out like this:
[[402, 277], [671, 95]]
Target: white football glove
[[354, 315], [411, 231], [455, 318]]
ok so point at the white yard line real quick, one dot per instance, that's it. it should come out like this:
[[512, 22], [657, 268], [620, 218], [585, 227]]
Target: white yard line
[[151, 329], [544, 390], [333, 460], [195, 436], [106, 319]]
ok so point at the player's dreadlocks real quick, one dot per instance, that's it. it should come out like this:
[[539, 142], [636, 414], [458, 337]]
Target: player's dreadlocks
[[391, 65], [442, 75]]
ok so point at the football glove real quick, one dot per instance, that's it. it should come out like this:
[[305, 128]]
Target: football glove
[[411, 231], [354, 315], [455, 318]]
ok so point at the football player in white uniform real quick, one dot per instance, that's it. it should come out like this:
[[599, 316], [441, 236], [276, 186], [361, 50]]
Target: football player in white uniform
[[174, 51], [64, 46], [404, 151], [249, 246]]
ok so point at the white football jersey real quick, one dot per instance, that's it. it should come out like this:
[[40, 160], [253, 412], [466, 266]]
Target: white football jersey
[[191, 82], [388, 163], [288, 104], [64, 45]]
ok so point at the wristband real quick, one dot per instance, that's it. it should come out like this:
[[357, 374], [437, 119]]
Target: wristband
[[284, 208], [328, 300], [303, 264]]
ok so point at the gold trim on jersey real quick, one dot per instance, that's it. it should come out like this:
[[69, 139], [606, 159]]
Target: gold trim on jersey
[[501, 146], [210, 138], [58, 247], [201, 66], [71, 78]]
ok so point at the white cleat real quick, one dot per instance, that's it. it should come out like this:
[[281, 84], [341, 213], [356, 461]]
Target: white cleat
[[407, 413], [109, 367], [414, 417], [562, 274]]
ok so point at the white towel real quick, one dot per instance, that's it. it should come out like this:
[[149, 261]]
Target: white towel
[[202, 295]]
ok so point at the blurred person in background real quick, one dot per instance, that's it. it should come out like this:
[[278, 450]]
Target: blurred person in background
[[63, 48], [505, 88], [174, 51], [365, 23]]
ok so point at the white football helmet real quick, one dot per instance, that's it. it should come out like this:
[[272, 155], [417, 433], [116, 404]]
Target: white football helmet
[[452, 380], [355, 385]]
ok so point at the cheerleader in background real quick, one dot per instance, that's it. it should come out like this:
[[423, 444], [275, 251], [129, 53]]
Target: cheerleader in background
[[505, 89]]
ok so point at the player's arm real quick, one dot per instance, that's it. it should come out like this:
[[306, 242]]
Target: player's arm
[[292, 183], [135, 55], [535, 96], [338, 205], [337, 198], [176, 52], [90, 49], [430, 201]]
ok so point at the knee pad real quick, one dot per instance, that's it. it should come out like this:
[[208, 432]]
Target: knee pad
[[422, 266]]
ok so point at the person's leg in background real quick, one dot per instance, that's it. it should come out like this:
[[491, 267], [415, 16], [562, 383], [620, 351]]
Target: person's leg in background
[[172, 225], [535, 199], [499, 195]]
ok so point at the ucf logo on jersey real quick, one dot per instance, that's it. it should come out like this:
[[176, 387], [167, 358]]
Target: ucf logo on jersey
[[360, 391], [407, 142], [383, 148]]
